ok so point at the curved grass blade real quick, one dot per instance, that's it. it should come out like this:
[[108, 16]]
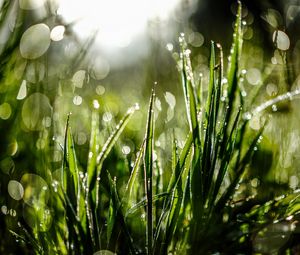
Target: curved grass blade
[[134, 173], [95, 178]]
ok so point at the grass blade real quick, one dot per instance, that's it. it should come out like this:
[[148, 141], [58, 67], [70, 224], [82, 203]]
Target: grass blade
[[148, 173]]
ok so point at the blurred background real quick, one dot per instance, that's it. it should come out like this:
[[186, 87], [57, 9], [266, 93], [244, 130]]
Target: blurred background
[[73, 56]]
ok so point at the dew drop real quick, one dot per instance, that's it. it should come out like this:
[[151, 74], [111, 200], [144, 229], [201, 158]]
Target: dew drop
[[35, 41], [5, 111], [78, 78], [169, 46], [22, 91], [77, 100], [57, 33], [15, 190], [274, 108], [107, 117], [126, 149], [96, 104], [281, 40], [4, 209], [100, 90]]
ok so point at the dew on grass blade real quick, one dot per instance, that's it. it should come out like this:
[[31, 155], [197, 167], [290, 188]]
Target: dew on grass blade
[[281, 40], [35, 109], [38, 218], [15, 190], [35, 41], [36, 191], [57, 33], [22, 91], [31, 4]]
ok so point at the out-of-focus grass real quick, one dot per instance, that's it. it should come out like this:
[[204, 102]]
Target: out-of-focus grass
[[186, 178]]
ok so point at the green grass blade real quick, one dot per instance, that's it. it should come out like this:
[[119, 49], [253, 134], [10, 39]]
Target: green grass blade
[[113, 138], [239, 171], [188, 86], [148, 173], [118, 214], [134, 173]]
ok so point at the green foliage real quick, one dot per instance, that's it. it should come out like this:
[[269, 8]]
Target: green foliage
[[192, 205]]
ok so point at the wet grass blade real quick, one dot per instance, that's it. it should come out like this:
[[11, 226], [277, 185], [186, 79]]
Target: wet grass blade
[[239, 171], [134, 173], [148, 173], [118, 215], [113, 138]]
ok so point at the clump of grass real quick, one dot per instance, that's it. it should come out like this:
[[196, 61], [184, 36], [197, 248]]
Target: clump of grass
[[195, 211]]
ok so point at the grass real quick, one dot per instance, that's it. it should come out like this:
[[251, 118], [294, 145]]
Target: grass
[[191, 205]]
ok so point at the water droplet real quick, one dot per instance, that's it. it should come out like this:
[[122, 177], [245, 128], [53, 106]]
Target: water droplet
[[100, 90], [15, 190], [274, 108], [77, 100], [5, 111], [35, 109], [281, 40], [78, 78], [22, 91], [126, 149], [12, 213], [253, 76], [57, 33], [4, 209], [35, 41], [272, 89], [247, 116], [107, 117], [96, 104], [169, 46], [255, 122], [254, 182]]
